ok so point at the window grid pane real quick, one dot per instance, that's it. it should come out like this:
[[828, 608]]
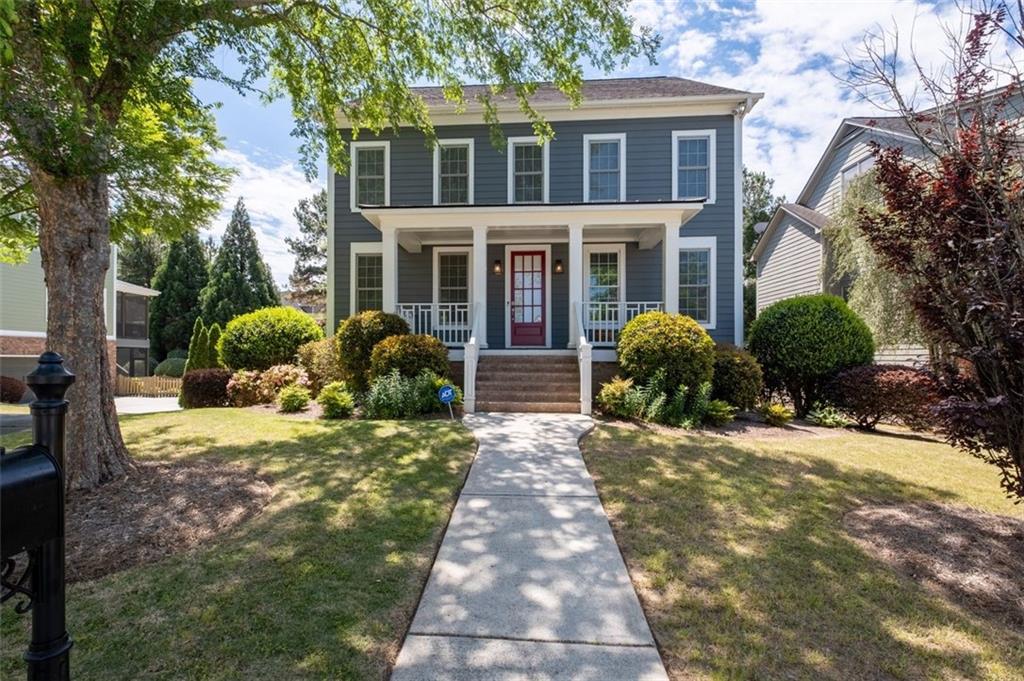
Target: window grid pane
[[604, 171], [453, 278], [603, 277], [694, 170], [528, 167], [695, 284], [454, 174], [369, 282], [370, 177]]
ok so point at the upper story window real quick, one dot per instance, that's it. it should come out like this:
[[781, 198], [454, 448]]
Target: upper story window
[[527, 170], [604, 167], [370, 174], [697, 279], [693, 165], [855, 170], [453, 171], [132, 316]]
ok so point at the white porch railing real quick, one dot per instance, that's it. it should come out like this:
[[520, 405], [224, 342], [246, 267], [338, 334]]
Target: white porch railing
[[448, 322], [470, 356], [584, 355], [602, 322]]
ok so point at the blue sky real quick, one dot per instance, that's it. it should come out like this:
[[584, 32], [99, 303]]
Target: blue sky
[[788, 50]]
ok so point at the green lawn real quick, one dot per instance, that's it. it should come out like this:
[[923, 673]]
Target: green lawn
[[13, 408], [745, 572], [321, 585]]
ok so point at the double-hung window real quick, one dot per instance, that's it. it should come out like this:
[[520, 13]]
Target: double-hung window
[[604, 289], [367, 285], [693, 165], [527, 170], [452, 267], [370, 174], [855, 170], [453, 172], [604, 167], [697, 279]]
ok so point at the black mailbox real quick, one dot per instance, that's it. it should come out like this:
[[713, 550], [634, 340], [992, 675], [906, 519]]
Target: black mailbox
[[31, 500]]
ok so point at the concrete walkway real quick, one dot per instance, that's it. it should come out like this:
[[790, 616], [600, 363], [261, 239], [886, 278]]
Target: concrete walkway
[[529, 583]]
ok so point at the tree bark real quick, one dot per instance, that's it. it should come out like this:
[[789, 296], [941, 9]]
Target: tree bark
[[74, 242]]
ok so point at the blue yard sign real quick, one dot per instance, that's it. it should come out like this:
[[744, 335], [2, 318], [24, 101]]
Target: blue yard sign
[[447, 395]]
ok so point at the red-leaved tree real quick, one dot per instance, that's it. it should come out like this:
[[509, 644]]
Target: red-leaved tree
[[953, 228]]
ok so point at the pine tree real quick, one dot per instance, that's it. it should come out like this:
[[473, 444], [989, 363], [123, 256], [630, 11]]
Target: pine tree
[[180, 278], [198, 347], [213, 355], [240, 281], [138, 258], [308, 280]]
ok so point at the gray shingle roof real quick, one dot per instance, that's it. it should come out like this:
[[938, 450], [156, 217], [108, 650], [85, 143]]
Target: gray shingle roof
[[601, 90], [811, 217], [890, 123]]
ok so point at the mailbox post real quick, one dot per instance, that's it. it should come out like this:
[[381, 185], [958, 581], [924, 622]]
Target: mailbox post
[[32, 489]]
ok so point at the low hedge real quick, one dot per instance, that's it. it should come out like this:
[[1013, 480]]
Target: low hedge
[[410, 355], [737, 379], [205, 388], [356, 339], [266, 337], [172, 366], [675, 343], [870, 394]]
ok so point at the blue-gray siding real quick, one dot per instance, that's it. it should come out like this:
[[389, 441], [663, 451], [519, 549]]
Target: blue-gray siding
[[648, 178]]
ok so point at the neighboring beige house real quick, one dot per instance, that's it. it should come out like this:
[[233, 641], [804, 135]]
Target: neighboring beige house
[[132, 328], [23, 314]]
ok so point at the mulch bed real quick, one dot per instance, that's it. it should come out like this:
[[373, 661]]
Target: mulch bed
[[973, 558], [158, 510]]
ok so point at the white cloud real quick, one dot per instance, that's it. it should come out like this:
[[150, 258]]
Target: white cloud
[[271, 188]]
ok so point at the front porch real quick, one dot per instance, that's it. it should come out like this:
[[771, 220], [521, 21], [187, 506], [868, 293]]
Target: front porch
[[526, 279]]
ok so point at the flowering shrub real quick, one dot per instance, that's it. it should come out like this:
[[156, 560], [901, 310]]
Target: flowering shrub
[[870, 394], [280, 376], [244, 388]]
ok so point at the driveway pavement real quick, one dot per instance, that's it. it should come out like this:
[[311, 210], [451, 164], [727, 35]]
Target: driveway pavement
[[529, 583]]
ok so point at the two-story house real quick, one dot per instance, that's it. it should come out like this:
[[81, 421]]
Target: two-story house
[[532, 256]]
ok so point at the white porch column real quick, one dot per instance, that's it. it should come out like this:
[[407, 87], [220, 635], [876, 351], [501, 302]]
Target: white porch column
[[670, 267], [575, 277], [479, 301], [389, 268]]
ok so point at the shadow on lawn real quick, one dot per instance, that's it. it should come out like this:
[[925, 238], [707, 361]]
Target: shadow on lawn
[[745, 570], [320, 585]]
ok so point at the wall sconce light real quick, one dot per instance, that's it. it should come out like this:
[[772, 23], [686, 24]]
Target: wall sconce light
[[497, 267], [558, 266]]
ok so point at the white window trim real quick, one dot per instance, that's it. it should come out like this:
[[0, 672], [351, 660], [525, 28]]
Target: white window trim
[[456, 142], [438, 250], [709, 243], [507, 276], [712, 158], [357, 248], [353, 153], [850, 166], [619, 137], [512, 142], [620, 249]]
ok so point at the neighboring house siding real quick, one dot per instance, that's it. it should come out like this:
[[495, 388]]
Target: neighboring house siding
[[790, 265], [648, 178]]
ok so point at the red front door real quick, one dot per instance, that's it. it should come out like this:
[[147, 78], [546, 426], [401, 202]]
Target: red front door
[[527, 314]]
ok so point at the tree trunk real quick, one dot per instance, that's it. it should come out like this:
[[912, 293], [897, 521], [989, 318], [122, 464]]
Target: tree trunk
[[74, 241]]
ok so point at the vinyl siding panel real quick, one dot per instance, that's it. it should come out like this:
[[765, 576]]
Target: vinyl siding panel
[[790, 265]]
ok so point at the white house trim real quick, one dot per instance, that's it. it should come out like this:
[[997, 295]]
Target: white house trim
[[511, 166], [332, 322], [358, 248], [436, 279], [737, 233], [620, 249], [619, 137], [453, 142], [710, 244], [710, 135], [506, 274], [354, 148]]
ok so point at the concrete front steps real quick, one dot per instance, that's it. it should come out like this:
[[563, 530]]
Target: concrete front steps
[[528, 384]]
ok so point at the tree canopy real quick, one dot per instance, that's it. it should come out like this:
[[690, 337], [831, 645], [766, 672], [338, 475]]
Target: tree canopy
[[138, 257], [180, 278], [308, 280]]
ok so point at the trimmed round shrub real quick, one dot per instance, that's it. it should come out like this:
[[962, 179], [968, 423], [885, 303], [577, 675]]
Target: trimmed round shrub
[[205, 388], [11, 389], [265, 337], [336, 401], [178, 353], [356, 338], [656, 340], [410, 355], [803, 342], [172, 366], [869, 394], [612, 399], [293, 398], [738, 379], [244, 389], [320, 360]]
